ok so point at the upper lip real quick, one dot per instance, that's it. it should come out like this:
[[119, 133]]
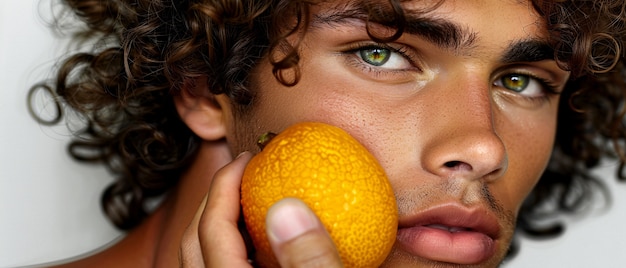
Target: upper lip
[[455, 215]]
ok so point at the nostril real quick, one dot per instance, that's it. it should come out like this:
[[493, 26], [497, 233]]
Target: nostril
[[451, 164], [458, 165]]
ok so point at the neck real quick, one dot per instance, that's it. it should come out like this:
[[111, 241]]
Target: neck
[[155, 243]]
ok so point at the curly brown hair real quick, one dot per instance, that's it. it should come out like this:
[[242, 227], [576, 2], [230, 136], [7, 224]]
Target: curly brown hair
[[146, 50]]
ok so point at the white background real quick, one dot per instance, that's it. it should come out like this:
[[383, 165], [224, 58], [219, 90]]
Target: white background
[[49, 205]]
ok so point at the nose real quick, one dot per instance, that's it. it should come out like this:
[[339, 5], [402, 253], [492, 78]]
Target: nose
[[464, 142]]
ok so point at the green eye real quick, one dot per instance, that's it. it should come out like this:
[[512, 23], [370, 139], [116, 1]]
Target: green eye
[[375, 56], [515, 82]]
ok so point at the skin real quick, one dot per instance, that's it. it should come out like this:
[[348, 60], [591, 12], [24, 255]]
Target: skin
[[439, 119], [445, 105]]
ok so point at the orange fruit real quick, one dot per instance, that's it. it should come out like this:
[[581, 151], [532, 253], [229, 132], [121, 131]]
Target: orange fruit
[[337, 178]]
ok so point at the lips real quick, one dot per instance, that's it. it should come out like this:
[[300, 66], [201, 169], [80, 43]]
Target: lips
[[450, 233]]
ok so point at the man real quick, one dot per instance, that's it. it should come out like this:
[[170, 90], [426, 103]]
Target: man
[[458, 100]]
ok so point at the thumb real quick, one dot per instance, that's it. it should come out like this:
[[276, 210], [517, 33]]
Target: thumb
[[298, 238]]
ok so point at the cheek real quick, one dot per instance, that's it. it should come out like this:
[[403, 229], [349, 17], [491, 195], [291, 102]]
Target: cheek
[[322, 96], [529, 147], [277, 107]]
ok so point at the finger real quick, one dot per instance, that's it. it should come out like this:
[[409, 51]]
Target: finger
[[221, 243], [190, 252], [298, 238]]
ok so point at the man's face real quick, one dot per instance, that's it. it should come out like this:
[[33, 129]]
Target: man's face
[[463, 124]]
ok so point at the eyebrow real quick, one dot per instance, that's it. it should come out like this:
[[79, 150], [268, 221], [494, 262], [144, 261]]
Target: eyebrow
[[531, 50], [443, 33]]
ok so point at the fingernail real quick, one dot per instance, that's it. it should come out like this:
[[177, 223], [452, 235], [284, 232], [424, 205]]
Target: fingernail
[[288, 219]]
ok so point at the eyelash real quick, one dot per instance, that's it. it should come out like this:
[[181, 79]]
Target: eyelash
[[548, 87], [377, 71]]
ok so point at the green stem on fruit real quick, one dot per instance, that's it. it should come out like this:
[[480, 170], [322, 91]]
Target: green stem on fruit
[[265, 139]]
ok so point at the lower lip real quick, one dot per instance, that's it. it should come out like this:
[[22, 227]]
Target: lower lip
[[465, 247]]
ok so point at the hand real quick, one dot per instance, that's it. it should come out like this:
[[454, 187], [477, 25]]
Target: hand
[[213, 238], [297, 236]]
